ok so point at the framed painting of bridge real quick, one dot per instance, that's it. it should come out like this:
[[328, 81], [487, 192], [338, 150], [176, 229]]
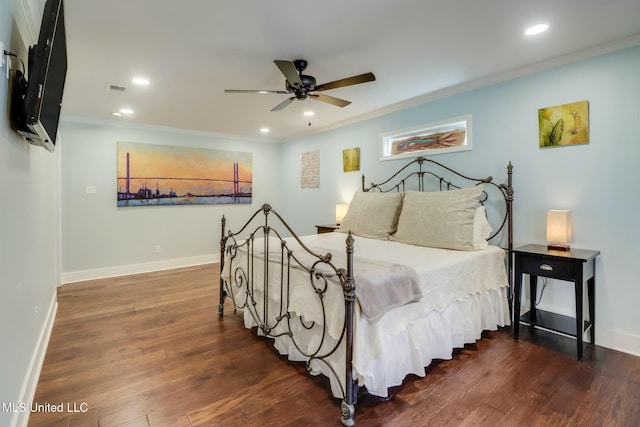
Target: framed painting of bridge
[[157, 175], [445, 136]]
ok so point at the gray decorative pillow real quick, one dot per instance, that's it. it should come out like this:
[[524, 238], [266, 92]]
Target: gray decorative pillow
[[440, 219], [372, 214]]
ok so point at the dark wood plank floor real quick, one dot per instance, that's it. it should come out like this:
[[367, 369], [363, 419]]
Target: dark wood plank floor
[[150, 350]]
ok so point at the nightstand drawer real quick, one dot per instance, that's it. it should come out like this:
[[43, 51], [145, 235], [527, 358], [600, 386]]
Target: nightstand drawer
[[547, 267]]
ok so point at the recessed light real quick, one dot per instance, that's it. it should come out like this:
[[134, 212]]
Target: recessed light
[[140, 81], [265, 130], [116, 114], [309, 113], [126, 111], [536, 29]]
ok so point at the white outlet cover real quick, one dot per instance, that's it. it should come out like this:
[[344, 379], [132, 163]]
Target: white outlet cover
[[91, 189]]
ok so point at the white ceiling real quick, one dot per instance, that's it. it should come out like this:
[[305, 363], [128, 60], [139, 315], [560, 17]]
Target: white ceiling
[[192, 50]]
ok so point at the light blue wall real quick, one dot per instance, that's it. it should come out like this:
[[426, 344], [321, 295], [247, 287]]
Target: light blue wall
[[597, 181], [29, 242], [98, 236]]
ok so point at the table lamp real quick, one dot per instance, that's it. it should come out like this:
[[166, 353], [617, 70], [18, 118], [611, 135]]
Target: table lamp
[[341, 210], [558, 229]]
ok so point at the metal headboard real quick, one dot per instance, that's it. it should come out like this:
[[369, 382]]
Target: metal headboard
[[402, 181], [406, 176]]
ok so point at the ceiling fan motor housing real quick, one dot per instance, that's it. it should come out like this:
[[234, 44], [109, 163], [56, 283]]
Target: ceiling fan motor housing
[[309, 84]]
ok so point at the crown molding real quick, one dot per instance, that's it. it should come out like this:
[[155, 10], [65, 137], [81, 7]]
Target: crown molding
[[158, 128], [28, 15], [577, 56]]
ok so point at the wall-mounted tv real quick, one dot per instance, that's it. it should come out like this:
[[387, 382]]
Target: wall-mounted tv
[[37, 101]]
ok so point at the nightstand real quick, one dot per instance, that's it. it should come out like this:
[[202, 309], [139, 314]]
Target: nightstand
[[575, 265], [329, 228]]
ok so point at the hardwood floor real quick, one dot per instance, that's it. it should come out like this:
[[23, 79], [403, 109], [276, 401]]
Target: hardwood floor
[[150, 350]]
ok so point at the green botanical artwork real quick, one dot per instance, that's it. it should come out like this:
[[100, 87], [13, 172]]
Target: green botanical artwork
[[351, 159], [566, 124]]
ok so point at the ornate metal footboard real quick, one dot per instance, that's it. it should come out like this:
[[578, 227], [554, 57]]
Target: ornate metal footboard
[[256, 265]]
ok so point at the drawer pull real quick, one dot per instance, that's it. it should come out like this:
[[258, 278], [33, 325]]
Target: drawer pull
[[546, 267]]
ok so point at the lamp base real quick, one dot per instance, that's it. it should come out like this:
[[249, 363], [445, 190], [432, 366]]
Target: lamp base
[[558, 247]]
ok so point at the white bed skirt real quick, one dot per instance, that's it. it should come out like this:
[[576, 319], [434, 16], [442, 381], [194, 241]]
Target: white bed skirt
[[399, 352]]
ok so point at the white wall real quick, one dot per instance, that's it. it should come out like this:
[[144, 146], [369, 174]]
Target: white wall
[[29, 245], [598, 181], [100, 239]]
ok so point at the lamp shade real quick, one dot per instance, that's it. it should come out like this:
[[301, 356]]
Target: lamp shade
[[341, 210], [559, 227]]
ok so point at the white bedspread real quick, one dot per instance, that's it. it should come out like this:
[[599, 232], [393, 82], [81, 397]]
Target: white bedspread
[[463, 293], [381, 287]]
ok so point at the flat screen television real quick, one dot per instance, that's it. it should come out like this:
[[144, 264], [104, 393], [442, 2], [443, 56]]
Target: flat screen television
[[37, 101]]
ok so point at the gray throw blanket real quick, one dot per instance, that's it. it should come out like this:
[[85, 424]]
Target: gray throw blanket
[[381, 287]]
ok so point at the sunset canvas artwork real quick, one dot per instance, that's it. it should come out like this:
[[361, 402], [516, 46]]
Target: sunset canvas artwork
[[152, 175]]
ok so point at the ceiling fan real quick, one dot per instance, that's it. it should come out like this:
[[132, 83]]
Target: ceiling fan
[[302, 86]]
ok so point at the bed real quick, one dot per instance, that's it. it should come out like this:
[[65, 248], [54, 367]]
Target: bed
[[410, 275]]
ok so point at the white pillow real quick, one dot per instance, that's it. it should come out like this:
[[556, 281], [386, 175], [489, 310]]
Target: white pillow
[[481, 228], [372, 214], [439, 219]]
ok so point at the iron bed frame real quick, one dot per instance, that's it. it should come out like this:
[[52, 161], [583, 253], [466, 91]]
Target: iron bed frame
[[278, 321]]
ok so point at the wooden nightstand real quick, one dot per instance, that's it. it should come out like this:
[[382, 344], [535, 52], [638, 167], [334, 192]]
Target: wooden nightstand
[[329, 228], [576, 265]]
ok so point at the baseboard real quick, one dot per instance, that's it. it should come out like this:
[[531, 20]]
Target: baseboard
[[620, 341], [28, 392], [605, 337], [124, 270]]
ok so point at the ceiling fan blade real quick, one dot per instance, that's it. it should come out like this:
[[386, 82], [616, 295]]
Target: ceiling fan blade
[[283, 104], [330, 99], [289, 70], [255, 91], [349, 81]]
